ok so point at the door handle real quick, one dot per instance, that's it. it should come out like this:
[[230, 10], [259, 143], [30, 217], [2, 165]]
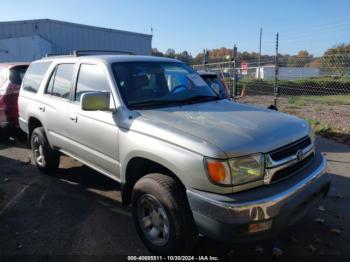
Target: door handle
[[42, 108], [74, 118]]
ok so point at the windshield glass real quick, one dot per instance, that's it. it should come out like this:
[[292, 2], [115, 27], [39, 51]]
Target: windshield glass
[[160, 83]]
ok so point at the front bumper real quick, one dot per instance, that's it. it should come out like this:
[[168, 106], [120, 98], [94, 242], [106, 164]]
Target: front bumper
[[228, 217]]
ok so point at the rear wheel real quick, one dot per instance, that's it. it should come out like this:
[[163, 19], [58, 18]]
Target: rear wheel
[[45, 158], [162, 215]]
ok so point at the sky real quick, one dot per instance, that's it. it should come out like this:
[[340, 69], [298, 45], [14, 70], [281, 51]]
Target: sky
[[192, 25]]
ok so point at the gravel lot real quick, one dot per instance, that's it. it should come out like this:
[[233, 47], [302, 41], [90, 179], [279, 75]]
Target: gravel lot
[[334, 116], [79, 212]]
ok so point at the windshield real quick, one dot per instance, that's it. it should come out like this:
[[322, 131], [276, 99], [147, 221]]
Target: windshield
[[160, 83]]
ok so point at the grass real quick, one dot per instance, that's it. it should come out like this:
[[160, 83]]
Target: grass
[[325, 100], [319, 128]]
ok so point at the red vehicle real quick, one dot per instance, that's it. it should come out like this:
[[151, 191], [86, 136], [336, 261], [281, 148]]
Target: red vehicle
[[11, 76]]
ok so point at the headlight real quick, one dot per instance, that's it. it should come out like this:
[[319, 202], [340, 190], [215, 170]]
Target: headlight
[[236, 171], [246, 169]]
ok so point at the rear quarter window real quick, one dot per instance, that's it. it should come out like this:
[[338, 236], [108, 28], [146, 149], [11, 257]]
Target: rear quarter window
[[34, 76]]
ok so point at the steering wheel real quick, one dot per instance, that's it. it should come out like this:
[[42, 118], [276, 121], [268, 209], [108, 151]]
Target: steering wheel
[[178, 87]]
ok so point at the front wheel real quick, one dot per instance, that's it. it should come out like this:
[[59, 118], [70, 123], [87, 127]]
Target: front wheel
[[162, 215], [45, 158]]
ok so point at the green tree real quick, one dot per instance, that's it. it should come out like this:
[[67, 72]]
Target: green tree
[[170, 53], [336, 61]]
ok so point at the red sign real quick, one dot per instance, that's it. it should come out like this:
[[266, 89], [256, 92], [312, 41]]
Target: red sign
[[244, 67]]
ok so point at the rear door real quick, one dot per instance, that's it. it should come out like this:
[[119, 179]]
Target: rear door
[[56, 104], [94, 134]]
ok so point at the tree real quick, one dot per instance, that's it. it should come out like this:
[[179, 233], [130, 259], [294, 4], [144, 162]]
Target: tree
[[336, 60], [184, 56], [300, 59], [156, 52], [170, 53]]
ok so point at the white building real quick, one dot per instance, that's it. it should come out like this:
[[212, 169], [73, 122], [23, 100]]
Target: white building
[[32, 39], [286, 73]]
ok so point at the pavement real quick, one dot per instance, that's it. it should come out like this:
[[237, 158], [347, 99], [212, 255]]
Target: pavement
[[78, 212]]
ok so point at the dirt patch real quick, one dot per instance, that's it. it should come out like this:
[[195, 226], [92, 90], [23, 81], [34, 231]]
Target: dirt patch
[[332, 121]]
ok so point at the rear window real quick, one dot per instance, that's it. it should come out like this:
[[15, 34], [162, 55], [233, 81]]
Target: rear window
[[17, 74], [34, 76]]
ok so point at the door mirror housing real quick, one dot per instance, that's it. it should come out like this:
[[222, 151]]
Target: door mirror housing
[[93, 101]]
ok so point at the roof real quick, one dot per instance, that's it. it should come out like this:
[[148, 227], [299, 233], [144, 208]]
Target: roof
[[46, 20], [112, 58]]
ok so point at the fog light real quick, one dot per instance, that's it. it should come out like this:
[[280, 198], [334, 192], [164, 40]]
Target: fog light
[[259, 226]]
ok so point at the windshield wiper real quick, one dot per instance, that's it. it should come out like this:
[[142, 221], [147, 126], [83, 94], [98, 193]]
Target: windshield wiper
[[201, 98], [154, 102], [160, 102]]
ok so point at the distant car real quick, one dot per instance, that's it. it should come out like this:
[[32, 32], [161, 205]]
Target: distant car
[[214, 82], [11, 76]]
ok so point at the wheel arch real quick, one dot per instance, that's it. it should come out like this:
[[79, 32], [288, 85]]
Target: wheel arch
[[33, 122], [139, 166]]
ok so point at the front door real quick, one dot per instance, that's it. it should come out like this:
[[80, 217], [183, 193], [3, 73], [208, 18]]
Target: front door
[[94, 134]]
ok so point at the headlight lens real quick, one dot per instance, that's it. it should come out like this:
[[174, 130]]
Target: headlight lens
[[246, 169], [236, 171]]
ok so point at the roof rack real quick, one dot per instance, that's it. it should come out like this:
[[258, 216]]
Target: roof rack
[[90, 52], [53, 55], [96, 52]]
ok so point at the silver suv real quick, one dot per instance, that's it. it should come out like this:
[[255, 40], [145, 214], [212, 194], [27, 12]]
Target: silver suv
[[189, 162]]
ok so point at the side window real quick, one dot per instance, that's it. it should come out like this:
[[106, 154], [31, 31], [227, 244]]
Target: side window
[[62, 81], [34, 76], [91, 78]]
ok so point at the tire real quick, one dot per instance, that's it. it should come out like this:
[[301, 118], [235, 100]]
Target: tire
[[50, 158], [170, 196]]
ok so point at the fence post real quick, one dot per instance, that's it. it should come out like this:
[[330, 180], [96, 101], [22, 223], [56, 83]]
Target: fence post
[[275, 86], [234, 71]]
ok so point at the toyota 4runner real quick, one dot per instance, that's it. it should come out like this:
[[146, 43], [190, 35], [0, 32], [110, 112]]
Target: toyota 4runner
[[189, 162]]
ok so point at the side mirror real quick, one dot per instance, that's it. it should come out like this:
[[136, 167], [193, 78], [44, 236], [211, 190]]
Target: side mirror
[[93, 101]]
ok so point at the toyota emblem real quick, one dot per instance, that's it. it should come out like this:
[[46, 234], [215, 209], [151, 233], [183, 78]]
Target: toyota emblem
[[300, 155]]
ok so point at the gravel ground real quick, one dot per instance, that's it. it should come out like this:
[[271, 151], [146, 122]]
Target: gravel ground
[[331, 121], [78, 212], [335, 116]]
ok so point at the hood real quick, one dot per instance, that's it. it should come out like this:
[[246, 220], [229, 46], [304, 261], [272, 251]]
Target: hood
[[221, 128]]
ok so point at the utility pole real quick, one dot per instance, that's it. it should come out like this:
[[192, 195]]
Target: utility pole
[[275, 87], [205, 58], [234, 78], [259, 58]]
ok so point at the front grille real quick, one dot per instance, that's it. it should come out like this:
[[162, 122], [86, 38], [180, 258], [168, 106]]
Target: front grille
[[284, 173], [291, 149]]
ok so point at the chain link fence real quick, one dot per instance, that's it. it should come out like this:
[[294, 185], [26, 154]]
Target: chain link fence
[[314, 88]]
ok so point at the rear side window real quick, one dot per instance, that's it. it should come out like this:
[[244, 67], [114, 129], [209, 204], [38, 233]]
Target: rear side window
[[17, 74], [61, 81], [91, 78], [34, 76]]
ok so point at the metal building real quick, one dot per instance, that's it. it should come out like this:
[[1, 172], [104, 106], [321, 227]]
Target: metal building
[[32, 39]]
